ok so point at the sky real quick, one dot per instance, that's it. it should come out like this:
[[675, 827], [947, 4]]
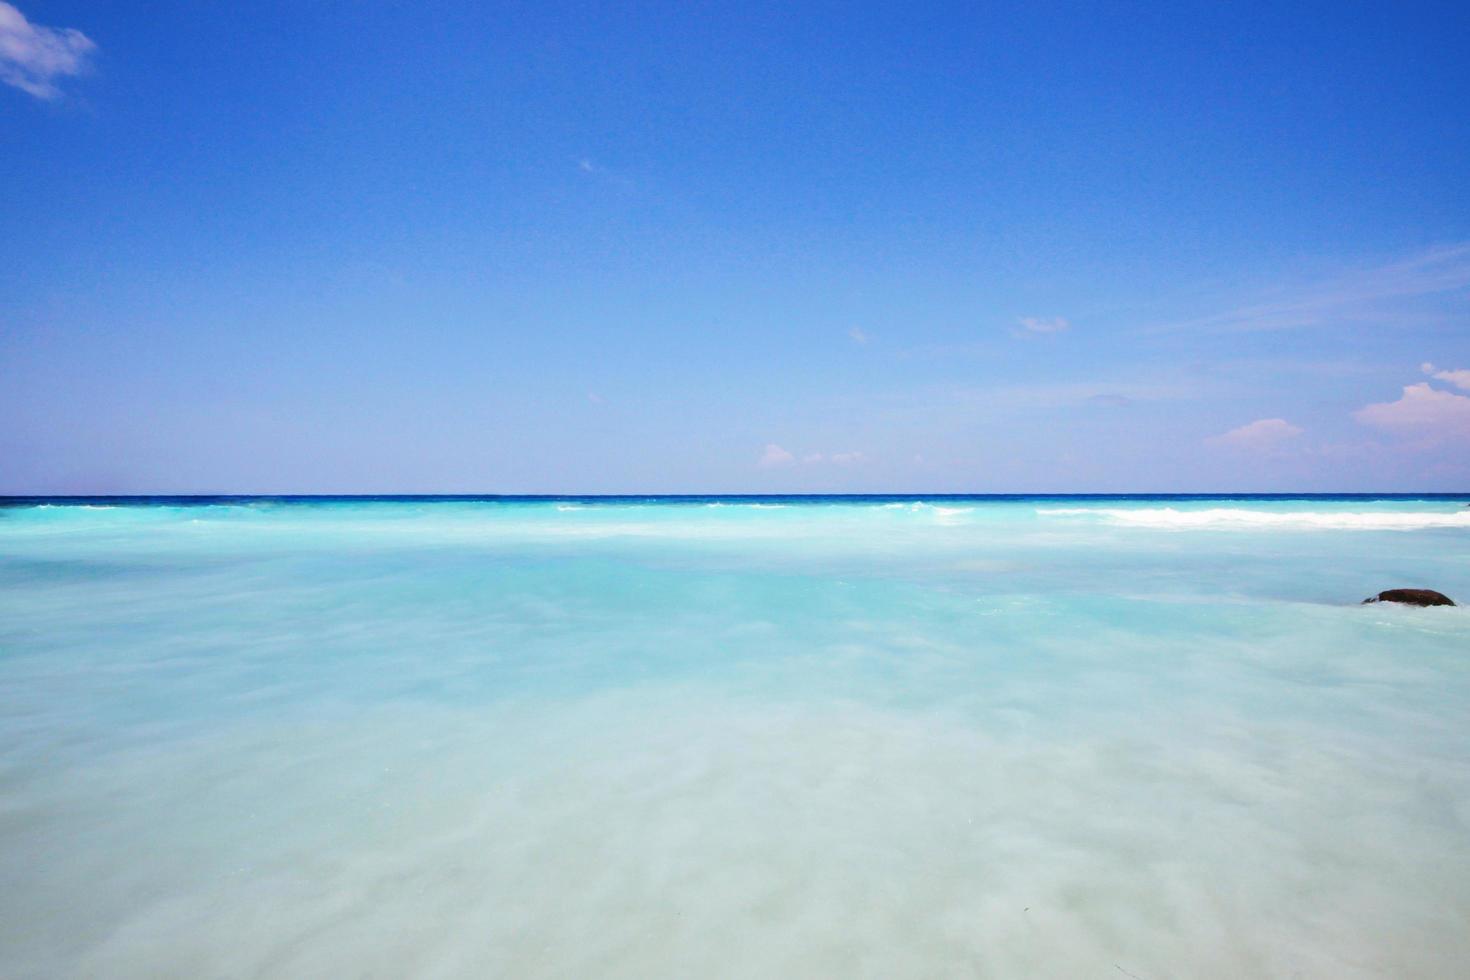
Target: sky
[[470, 247]]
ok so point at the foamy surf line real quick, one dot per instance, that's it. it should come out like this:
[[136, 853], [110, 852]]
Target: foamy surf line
[[1224, 518]]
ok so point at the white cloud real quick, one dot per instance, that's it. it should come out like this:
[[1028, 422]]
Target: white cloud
[[1421, 411], [1262, 435], [774, 455], [859, 336], [33, 58], [1459, 378], [1036, 324]]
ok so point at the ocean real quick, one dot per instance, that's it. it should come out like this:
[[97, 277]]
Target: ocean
[[734, 737]]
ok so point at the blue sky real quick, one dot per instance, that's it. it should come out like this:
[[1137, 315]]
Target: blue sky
[[460, 247]]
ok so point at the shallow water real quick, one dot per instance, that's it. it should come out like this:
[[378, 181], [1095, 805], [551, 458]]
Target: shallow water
[[564, 738]]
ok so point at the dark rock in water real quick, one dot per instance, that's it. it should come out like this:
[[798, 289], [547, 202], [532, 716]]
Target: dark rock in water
[[1413, 597]]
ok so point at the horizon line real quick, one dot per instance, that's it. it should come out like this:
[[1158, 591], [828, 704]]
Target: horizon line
[[684, 495]]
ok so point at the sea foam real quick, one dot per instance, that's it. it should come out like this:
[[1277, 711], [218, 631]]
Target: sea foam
[[1225, 518]]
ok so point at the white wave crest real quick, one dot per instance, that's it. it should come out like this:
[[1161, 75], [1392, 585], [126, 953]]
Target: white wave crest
[[924, 507], [73, 507], [1226, 518]]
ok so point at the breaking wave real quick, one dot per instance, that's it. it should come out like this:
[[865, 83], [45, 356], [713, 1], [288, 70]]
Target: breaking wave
[[1227, 518]]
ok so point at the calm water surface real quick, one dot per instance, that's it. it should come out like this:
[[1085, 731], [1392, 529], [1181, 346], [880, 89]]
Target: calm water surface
[[1022, 737]]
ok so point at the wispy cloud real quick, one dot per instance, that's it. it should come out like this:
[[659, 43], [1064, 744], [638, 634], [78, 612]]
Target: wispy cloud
[[1069, 394], [1373, 294], [1031, 325], [34, 58], [1262, 435], [858, 336], [1459, 378], [774, 455]]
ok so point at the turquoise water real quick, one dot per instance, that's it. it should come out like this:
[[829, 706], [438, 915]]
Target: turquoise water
[[830, 738]]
